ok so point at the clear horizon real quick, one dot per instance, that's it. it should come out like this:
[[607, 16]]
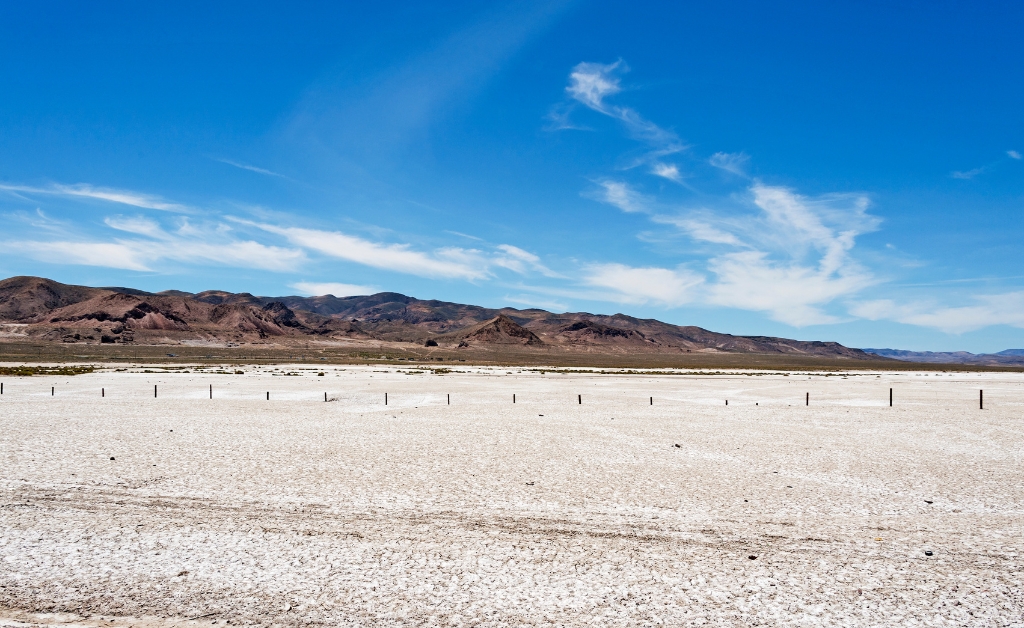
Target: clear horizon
[[847, 172]]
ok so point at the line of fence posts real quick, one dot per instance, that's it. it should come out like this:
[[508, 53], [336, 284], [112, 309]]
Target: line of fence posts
[[579, 398]]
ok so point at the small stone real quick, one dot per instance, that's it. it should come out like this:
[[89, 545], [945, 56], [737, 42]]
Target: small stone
[[111, 457], [677, 445], [928, 501], [752, 557], [927, 553]]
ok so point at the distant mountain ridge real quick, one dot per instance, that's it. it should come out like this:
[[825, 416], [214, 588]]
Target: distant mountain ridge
[[34, 307], [1009, 357]]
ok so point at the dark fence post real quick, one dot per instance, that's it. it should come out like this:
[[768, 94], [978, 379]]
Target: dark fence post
[[808, 400], [890, 397], [579, 399], [981, 399]]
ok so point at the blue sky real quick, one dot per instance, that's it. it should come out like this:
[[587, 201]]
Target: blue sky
[[840, 171]]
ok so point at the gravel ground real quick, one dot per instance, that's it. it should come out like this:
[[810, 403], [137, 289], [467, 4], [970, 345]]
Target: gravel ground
[[181, 510]]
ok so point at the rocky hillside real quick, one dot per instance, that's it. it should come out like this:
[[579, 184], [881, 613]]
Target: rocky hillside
[[44, 309]]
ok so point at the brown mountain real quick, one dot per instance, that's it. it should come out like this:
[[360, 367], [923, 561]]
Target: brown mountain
[[499, 330], [44, 309]]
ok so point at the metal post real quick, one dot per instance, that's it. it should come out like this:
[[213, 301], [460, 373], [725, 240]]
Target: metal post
[[808, 401], [154, 391], [385, 399], [652, 401], [103, 392], [981, 399], [513, 397], [579, 399], [211, 391], [51, 390], [726, 402], [449, 399], [890, 397], [268, 395], [325, 396]]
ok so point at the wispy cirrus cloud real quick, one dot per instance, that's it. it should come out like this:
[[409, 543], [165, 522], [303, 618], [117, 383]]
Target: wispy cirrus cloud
[[667, 171], [521, 261], [1012, 154], [987, 309], [238, 164], [968, 174], [736, 163], [112, 195], [449, 263], [787, 255], [619, 194], [795, 254], [591, 84], [145, 255], [628, 284]]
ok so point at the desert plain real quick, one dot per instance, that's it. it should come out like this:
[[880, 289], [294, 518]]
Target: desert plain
[[597, 499]]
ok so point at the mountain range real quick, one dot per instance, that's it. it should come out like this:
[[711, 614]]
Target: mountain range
[[34, 308], [1009, 357]]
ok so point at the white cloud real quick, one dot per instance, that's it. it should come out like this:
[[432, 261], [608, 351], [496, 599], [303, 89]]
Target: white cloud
[[967, 174], [644, 285], [518, 260], [136, 224], [84, 190], [667, 171], [316, 289], [238, 253], [991, 309], [146, 254], [106, 254], [251, 168], [794, 254], [451, 262], [735, 163], [1014, 154], [699, 230], [790, 293], [620, 195], [591, 83]]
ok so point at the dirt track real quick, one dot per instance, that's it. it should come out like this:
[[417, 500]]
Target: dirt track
[[613, 512]]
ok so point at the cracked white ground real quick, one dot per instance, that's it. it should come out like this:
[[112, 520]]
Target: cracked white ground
[[184, 510]]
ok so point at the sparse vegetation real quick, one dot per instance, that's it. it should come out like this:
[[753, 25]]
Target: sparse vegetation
[[29, 371]]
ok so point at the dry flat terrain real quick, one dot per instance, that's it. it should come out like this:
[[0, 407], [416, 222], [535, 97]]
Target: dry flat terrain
[[181, 510]]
